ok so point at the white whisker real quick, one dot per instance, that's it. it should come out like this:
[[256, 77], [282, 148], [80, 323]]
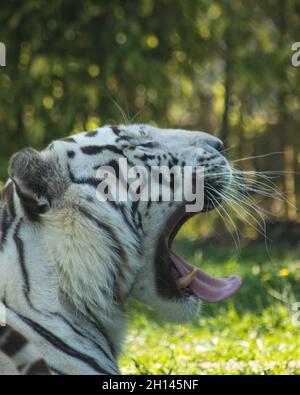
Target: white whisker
[[258, 156]]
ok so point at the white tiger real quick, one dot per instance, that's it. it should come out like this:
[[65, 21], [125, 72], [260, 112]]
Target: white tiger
[[69, 262]]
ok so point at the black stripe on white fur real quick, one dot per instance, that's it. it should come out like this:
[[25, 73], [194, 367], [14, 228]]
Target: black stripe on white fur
[[21, 353]]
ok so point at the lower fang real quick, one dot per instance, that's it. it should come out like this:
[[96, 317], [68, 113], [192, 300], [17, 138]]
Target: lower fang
[[185, 281]]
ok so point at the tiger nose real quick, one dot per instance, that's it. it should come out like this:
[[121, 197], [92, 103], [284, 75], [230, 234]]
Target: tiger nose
[[216, 143]]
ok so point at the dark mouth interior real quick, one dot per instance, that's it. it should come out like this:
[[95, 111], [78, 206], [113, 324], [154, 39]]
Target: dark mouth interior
[[177, 278], [180, 218]]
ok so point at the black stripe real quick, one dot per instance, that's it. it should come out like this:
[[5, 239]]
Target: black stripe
[[99, 327], [92, 133], [3, 330], [69, 140], [115, 129], [20, 249], [96, 167], [94, 321], [8, 196], [149, 144], [7, 213], [175, 160], [134, 207], [141, 130], [31, 208], [125, 139], [118, 173], [97, 149], [140, 218], [94, 182], [145, 157], [38, 367], [21, 367], [131, 226], [134, 211], [57, 371], [115, 165], [84, 335], [5, 224], [14, 342], [60, 345], [71, 154]]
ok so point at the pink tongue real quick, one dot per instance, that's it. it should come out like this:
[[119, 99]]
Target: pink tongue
[[206, 287]]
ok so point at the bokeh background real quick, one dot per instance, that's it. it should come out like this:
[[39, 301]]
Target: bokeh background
[[219, 66]]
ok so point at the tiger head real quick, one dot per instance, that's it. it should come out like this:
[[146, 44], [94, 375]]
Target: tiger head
[[105, 251]]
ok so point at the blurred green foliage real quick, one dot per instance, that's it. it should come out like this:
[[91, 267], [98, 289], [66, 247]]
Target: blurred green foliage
[[220, 66]]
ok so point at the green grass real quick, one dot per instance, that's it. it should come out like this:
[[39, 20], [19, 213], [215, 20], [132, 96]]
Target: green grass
[[252, 333]]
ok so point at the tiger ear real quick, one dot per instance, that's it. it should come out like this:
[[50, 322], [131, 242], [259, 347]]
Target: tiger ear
[[30, 174]]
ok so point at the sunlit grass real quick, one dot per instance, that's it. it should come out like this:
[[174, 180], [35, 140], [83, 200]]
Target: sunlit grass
[[252, 333]]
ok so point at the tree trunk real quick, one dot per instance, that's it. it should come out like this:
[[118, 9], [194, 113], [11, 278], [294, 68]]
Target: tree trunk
[[289, 184], [225, 132]]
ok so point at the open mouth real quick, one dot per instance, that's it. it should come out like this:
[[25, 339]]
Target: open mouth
[[187, 279]]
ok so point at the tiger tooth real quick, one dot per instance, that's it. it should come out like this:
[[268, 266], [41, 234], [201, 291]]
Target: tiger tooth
[[185, 281]]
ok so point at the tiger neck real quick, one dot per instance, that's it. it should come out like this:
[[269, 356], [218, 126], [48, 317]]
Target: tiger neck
[[51, 288]]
